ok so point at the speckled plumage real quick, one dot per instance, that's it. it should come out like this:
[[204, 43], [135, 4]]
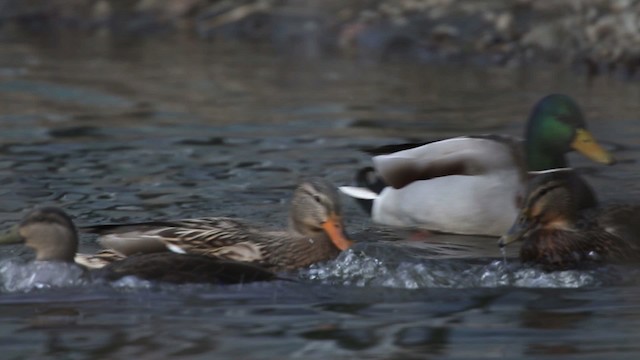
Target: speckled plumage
[[315, 203], [558, 232], [51, 233], [183, 268]]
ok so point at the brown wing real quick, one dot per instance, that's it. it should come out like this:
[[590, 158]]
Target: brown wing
[[99, 259], [623, 221], [178, 268], [185, 234], [213, 237], [455, 156]]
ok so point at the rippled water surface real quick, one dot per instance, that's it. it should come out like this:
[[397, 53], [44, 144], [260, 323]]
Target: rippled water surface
[[126, 131]]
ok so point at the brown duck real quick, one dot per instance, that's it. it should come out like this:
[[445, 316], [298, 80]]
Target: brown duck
[[315, 234], [51, 233], [557, 234]]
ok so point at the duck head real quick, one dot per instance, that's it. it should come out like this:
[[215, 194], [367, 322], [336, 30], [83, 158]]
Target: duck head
[[315, 212], [556, 126], [49, 231], [553, 201]]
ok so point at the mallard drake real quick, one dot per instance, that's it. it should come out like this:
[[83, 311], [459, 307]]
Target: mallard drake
[[474, 184], [315, 233], [561, 225], [52, 234]]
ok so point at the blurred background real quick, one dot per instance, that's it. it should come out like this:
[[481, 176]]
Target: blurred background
[[597, 35]]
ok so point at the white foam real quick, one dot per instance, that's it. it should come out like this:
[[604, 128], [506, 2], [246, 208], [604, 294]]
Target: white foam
[[20, 276], [359, 269]]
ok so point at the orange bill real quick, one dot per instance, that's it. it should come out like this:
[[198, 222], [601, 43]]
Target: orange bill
[[586, 144], [333, 228]]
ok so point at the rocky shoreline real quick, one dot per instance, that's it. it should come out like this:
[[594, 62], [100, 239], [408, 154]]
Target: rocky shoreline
[[599, 36]]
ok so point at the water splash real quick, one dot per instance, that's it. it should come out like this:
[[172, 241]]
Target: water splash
[[503, 251], [131, 282], [21, 276], [360, 269]]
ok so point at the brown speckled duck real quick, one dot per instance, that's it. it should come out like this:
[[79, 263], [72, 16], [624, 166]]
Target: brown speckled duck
[[315, 234], [51, 233], [557, 234]]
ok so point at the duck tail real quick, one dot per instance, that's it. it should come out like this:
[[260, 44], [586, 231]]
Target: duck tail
[[369, 186]]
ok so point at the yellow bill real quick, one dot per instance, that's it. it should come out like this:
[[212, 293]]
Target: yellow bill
[[587, 145]]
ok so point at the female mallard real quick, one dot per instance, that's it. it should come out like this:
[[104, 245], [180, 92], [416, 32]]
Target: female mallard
[[51, 233], [315, 234], [474, 184], [561, 226]]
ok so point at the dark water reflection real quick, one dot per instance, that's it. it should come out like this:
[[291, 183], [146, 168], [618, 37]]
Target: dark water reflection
[[276, 321], [126, 132]]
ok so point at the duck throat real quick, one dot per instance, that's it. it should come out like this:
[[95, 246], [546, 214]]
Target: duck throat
[[538, 158]]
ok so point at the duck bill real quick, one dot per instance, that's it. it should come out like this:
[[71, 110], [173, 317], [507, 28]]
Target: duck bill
[[11, 237], [333, 228], [587, 145], [515, 233]]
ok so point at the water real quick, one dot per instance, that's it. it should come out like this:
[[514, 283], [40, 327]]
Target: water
[[126, 131]]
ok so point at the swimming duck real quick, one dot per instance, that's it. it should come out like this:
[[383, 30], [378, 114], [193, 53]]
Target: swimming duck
[[474, 184], [52, 234], [315, 233], [561, 225]]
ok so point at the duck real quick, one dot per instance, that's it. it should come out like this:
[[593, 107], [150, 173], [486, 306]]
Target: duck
[[315, 233], [473, 185], [561, 225], [51, 233]]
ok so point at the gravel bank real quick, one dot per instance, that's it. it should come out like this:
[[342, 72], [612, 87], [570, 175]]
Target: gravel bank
[[600, 36]]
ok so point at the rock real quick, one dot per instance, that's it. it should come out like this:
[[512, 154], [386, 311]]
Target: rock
[[607, 32]]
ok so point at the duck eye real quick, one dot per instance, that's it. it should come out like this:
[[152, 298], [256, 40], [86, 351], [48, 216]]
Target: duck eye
[[317, 199]]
